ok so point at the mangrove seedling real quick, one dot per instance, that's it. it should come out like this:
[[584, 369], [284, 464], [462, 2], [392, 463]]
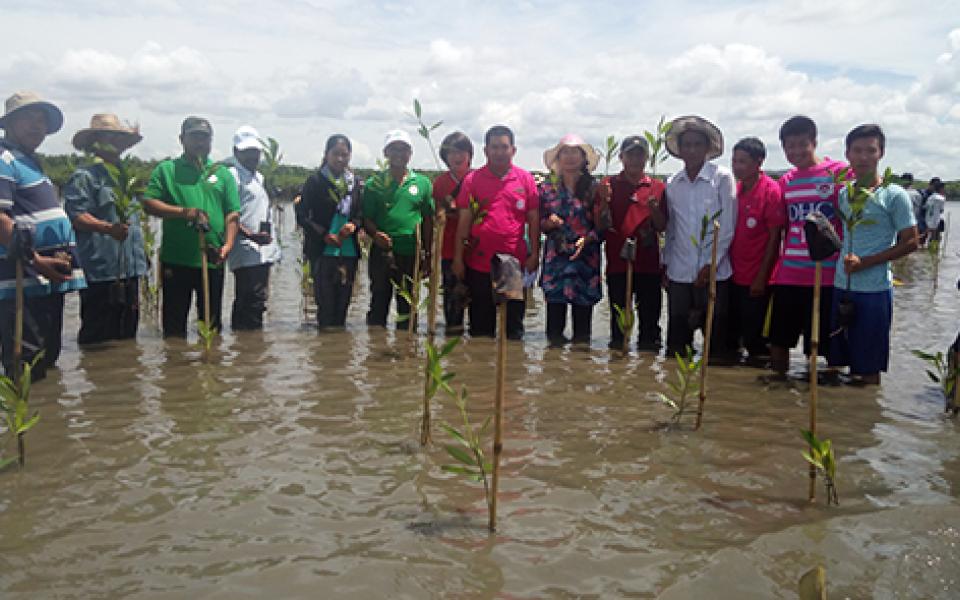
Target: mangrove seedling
[[424, 130], [438, 225], [407, 290], [435, 379], [944, 372], [625, 320], [478, 210], [15, 403], [467, 450], [608, 153], [658, 146], [686, 385], [206, 335], [821, 456]]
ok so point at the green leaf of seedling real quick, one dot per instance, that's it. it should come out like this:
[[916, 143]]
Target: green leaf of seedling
[[7, 461], [29, 424], [436, 125], [694, 241], [460, 454], [933, 376], [667, 400], [417, 109], [455, 434], [460, 470], [486, 425], [449, 346]]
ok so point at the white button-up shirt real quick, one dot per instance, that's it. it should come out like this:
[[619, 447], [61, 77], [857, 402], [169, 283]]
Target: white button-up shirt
[[254, 208], [687, 202]]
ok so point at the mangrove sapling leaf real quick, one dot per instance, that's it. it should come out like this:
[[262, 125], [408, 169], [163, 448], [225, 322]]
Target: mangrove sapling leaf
[[686, 385], [16, 407], [206, 334], [468, 450], [942, 372], [436, 379], [608, 153], [657, 142], [405, 291], [821, 456], [625, 320]]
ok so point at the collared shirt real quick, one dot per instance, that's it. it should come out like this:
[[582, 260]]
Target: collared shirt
[[90, 191], [803, 191], [758, 209], [887, 213], [27, 196], [624, 197], [712, 190], [178, 181], [443, 186], [504, 203], [254, 209], [398, 208], [934, 210]]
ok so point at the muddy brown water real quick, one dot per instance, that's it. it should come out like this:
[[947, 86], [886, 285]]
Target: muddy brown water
[[289, 467]]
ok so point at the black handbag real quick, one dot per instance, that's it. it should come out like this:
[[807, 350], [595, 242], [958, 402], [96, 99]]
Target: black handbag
[[822, 239], [506, 278]]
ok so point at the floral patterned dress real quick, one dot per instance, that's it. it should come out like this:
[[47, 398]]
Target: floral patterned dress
[[566, 281]]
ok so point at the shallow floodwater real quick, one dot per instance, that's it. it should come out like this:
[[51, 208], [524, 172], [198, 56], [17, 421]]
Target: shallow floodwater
[[289, 466]]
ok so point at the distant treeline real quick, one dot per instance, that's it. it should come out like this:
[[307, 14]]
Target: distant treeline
[[288, 179]]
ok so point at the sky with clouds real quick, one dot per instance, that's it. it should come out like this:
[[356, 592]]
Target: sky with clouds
[[300, 70]]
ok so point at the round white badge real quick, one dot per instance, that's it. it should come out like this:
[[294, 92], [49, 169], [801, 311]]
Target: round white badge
[[414, 190], [751, 222], [520, 204]]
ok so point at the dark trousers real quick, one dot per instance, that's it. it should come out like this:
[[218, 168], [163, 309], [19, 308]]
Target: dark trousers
[[383, 273], [180, 286], [557, 322], [648, 299], [109, 310], [745, 324], [333, 278], [453, 307], [42, 329], [252, 286], [687, 309], [483, 311]]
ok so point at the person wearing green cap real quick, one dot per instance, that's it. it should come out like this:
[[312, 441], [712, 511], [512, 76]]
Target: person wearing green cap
[[191, 193]]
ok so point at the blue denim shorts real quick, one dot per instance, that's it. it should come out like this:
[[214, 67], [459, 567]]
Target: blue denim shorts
[[864, 345]]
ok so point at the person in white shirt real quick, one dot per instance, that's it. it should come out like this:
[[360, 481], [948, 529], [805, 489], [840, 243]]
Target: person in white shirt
[[934, 210], [256, 250], [700, 190]]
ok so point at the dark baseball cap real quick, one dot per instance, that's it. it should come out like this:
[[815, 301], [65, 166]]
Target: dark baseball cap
[[634, 142], [196, 124]]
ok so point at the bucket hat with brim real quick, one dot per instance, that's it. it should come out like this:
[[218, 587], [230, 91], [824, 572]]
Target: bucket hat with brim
[[571, 139], [682, 125], [106, 123], [21, 100]]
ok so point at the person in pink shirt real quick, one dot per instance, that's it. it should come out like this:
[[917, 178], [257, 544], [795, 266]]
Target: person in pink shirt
[[810, 186], [755, 247], [496, 203]]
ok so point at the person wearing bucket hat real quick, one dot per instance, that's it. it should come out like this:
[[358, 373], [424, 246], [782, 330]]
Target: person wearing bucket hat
[[111, 251], [700, 189], [28, 199], [396, 203], [192, 195], [569, 211], [637, 211]]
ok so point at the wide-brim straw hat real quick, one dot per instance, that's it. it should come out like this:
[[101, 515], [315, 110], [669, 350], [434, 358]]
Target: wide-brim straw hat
[[105, 123], [21, 100], [681, 125], [571, 139]]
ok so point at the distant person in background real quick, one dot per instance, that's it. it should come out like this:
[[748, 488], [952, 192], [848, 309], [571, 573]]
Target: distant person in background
[[571, 213], [934, 211], [28, 197], [916, 198], [921, 213], [497, 203], [456, 151], [330, 214], [887, 232], [256, 249], [755, 247], [111, 252], [395, 203], [638, 210]]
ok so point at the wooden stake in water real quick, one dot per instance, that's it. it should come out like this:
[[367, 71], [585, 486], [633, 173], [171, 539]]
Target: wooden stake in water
[[708, 327], [205, 279], [498, 409], [814, 350], [628, 306], [436, 272], [18, 349], [415, 292]]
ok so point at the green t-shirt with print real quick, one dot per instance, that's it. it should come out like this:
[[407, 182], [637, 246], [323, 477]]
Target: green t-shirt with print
[[180, 182], [397, 208]]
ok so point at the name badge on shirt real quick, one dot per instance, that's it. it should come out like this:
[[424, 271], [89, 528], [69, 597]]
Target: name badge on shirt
[[751, 222]]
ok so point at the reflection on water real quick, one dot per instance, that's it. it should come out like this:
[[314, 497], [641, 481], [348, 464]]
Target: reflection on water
[[289, 463]]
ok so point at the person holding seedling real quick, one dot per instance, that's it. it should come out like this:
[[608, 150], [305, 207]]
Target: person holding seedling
[[456, 151], [47, 254], [883, 229], [698, 194], [498, 203], [638, 211], [256, 250], [109, 238], [808, 187], [570, 210], [329, 213], [395, 203], [755, 247], [193, 194]]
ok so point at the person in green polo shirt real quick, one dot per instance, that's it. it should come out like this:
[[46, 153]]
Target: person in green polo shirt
[[395, 203], [191, 194]]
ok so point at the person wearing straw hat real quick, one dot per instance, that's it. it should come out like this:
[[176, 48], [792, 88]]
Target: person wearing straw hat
[[701, 189], [569, 216], [111, 251], [28, 198], [192, 194]]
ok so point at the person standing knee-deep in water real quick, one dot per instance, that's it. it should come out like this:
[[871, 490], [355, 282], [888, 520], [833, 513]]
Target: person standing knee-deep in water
[[456, 151]]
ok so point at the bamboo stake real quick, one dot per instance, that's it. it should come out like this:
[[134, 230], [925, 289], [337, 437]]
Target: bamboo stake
[[205, 279], [436, 272], [814, 349], [18, 350], [956, 382], [415, 292], [628, 306], [708, 328], [498, 409]]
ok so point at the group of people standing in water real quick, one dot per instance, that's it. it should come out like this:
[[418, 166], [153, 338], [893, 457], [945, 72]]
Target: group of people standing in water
[[570, 231]]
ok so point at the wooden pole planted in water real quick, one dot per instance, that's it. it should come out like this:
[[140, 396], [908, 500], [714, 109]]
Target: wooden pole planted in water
[[814, 350], [436, 272], [708, 327], [498, 409], [415, 292], [628, 317], [18, 350], [205, 279]]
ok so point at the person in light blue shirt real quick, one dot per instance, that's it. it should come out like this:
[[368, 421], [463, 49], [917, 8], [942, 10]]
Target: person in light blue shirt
[[863, 308]]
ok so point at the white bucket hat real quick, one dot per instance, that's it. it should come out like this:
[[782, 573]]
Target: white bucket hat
[[397, 135]]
